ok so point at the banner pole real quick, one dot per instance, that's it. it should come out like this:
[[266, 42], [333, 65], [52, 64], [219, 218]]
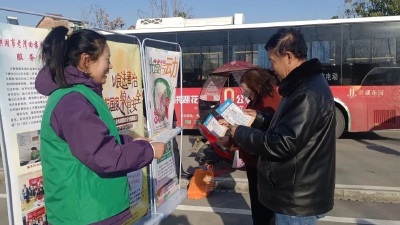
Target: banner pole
[[181, 107]]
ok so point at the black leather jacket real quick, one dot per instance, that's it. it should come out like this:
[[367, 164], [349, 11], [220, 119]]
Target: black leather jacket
[[297, 146]]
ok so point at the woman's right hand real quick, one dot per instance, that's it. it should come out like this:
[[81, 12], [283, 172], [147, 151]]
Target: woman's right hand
[[159, 149]]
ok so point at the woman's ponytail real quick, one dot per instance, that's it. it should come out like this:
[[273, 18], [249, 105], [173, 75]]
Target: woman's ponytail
[[55, 54]]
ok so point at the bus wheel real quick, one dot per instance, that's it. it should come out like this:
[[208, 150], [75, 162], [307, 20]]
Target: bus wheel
[[340, 123]]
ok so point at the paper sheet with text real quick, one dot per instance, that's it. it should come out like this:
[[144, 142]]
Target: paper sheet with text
[[166, 135], [213, 126], [233, 114]]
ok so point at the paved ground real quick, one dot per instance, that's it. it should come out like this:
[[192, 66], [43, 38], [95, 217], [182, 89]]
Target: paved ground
[[371, 159], [233, 209]]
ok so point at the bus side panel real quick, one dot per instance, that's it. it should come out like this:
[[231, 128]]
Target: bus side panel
[[190, 101], [190, 104], [383, 108], [370, 107], [357, 106]]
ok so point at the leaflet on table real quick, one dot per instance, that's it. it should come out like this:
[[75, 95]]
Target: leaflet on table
[[213, 126], [166, 135], [233, 114]]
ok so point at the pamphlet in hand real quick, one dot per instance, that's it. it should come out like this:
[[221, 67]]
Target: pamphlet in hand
[[233, 114], [213, 126], [165, 135]]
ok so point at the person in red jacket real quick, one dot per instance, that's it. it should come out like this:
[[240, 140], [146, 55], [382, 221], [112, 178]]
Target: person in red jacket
[[260, 88]]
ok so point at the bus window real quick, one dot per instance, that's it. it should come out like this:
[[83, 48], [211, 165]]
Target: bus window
[[191, 66], [324, 51], [323, 43], [357, 61], [248, 45], [246, 53], [203, 52], [396, 76], [308, 50], [384, 51], [367, 46], [212, 59], [358, 51], [380, 76], [255, 54]]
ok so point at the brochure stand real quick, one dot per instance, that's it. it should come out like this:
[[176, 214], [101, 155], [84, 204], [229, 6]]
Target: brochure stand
[[155, 214], [151, 218], [173, 201], [8, 159]]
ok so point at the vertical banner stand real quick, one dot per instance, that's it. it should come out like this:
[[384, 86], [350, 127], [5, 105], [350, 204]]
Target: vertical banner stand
[[11, 219], [6, 174], [174, 200], [152, 217]]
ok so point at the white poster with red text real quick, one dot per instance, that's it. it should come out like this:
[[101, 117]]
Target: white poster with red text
[[21, 114]]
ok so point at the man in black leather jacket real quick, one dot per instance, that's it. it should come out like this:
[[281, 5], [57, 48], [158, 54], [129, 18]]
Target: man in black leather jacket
[[296, 145]]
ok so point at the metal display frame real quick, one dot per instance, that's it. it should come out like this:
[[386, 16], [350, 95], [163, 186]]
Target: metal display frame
[[3, 145], [154, 216], [174, 200], [150, 218]]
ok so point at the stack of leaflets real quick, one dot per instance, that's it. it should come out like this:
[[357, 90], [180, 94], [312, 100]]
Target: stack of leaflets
[[165, 135], [232, 114], [214, 127]]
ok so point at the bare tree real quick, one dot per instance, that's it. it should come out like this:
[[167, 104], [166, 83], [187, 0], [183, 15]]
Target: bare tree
[[95, 16], [181, 10], [143, 14], [115, 24], [85, 16], [161, 9], [158, 10]]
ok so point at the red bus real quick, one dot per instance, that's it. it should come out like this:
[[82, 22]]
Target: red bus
[[359, 57]]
